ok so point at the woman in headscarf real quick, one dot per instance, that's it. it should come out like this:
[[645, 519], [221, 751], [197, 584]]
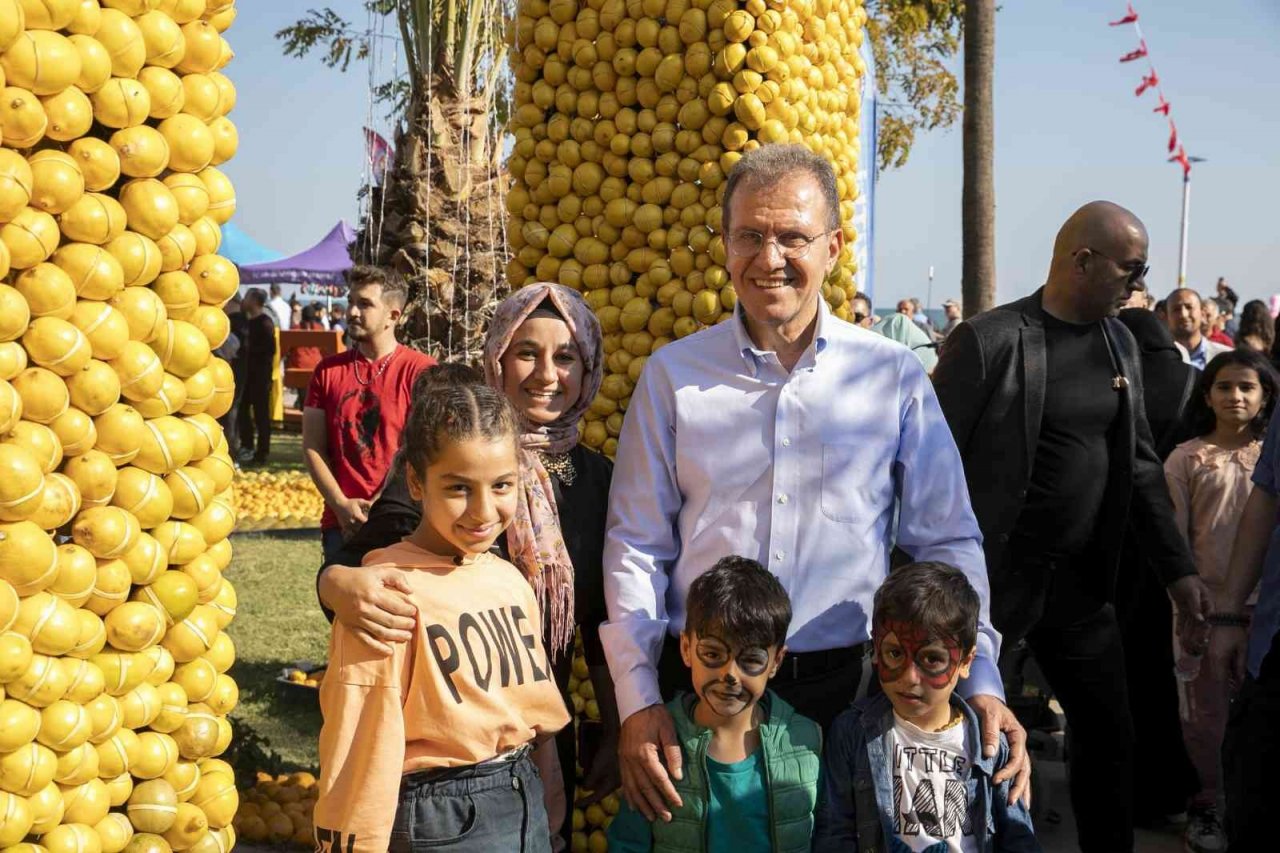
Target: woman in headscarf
[[544, 351], [901, 328], [1146, 618]]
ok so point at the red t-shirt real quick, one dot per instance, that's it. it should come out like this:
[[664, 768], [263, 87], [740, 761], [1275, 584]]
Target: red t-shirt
[[364, 414]]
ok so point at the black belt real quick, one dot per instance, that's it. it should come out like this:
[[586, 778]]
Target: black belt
[[799, 665]]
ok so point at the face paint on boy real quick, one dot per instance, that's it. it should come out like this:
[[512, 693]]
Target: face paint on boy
[[727, 693], [899, 644]]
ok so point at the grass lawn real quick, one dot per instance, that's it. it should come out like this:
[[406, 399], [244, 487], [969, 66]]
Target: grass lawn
[[278, 622]]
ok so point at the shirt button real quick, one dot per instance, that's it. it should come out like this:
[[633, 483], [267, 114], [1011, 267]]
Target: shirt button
[[786, 442], [782, 499], [778, 555]]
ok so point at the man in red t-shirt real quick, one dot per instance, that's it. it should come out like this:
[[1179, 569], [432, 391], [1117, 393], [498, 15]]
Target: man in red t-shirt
[[357, 404]]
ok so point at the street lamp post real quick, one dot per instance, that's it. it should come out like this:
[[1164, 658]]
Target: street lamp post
[[1186, 221]]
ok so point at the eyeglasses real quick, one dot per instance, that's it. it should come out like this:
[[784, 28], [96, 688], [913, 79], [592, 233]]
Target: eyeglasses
[[792, 245], [1136, 274]]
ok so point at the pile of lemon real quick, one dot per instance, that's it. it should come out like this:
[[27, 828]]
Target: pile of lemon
[[115, 502], [279, 500], [591, 824], [628, 116], [278, 810]]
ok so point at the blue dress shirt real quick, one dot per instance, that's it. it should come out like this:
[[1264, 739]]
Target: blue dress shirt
[[724, 451]]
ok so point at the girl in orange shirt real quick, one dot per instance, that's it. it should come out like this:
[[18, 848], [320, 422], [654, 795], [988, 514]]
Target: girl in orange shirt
[[431, 744]]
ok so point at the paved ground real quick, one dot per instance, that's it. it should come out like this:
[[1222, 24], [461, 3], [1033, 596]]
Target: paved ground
[[1059, 836]]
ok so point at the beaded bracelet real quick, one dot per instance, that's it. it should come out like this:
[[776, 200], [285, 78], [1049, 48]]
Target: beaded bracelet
[[1232, 620]]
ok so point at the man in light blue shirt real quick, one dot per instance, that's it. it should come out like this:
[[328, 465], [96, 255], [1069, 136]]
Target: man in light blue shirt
[[788, 436]]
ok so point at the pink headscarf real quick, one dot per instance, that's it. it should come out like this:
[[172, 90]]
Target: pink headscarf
[[534, 539]]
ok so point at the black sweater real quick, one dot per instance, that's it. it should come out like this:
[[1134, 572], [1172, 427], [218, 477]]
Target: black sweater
[[583, 508]]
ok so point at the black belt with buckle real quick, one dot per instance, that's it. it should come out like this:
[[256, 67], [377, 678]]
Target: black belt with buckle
[[798, 665]]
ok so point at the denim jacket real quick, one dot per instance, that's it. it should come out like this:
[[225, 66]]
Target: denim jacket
[[855, 799]]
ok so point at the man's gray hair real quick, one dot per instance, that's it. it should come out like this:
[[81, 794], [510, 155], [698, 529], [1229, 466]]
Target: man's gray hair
[[769, 164], [1192, 291]]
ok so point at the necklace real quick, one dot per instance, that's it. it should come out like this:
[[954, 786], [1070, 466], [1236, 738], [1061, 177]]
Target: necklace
[[376, 369], [559, 465]]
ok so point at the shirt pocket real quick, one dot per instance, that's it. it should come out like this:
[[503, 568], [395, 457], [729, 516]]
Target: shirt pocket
[[845, 495]]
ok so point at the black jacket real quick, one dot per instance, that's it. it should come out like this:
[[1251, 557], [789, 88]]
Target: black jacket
[[582, 509], [990, 382]]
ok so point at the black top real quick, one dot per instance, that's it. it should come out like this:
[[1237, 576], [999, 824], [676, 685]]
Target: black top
[[582, 506], [260, 333], [1069, 475]]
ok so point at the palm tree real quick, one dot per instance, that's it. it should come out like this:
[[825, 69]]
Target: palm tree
[[978, 198], [438, 215]]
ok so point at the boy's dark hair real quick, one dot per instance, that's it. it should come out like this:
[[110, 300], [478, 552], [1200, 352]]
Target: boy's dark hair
[[1204, 421], [741, 601], [454, 412], [933, 595], [395, 290]]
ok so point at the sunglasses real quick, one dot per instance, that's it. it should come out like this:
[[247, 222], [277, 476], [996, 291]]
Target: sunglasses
[[1136, 274]]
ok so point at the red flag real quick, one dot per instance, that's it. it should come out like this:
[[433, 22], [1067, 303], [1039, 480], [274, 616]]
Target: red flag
[[1181, 157], [379, 154], [1129, 18], [1149, 81], [1136, 54], [1173, 136], [1162, 107]]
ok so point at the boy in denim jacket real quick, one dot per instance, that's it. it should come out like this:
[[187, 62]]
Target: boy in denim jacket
[[903, 769]]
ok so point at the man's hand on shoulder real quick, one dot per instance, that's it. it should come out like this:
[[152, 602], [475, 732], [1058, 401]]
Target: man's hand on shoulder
[[648, 739], [995, 717]]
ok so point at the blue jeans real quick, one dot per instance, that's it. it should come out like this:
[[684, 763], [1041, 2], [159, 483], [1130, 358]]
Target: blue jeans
[[484, 808], [331, 543]]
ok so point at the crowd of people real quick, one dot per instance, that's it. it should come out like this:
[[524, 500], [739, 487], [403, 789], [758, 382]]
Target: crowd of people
[[251, 348], [798, 580]]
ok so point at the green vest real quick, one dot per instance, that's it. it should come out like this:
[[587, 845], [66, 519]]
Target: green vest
[[792, 746]]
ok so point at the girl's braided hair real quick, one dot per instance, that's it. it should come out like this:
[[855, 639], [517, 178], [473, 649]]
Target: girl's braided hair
[[454, 411]]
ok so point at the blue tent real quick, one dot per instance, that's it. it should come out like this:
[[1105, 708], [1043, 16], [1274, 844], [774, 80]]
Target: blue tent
[[239, 248]]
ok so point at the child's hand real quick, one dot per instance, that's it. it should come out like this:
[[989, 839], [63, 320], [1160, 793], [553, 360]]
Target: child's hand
[[372, 602]]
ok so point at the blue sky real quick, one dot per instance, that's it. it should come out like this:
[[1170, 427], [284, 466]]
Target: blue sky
[[1068, 130]]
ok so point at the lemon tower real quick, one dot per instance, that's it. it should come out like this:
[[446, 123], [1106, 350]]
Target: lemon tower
[[628, 115], [115, 502]]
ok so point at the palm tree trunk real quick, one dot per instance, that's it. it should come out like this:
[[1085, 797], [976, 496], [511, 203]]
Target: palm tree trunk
[[978, 199], [438, 220]]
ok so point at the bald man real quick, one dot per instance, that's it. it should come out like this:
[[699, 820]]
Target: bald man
[[1044, 398]]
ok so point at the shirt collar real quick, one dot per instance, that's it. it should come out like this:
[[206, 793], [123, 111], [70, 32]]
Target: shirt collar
[[752, 355]]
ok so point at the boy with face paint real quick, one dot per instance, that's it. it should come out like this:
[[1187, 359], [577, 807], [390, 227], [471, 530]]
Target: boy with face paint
[[751, 763], [903, 769]]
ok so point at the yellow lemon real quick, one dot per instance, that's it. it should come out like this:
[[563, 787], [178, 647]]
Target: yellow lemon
[[103, 326], [95, 63], [69, 113], [165, 89], [140, 260], [43, 61], [99, 163], [93, 218], [30, 237], [95, 389], [94, 475], [22, 118], [56, 181], [143, 150]]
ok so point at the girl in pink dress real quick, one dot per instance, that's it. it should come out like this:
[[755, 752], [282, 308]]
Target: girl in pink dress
[[1210, 478]]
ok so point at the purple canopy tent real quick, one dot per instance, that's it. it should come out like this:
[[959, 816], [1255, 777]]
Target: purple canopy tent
[[315, 268]]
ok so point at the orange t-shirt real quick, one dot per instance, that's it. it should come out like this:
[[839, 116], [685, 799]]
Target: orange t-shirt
[[473, 683]]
